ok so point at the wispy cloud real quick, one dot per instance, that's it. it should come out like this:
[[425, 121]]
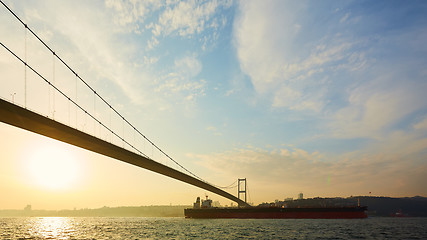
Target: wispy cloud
[[181, 82], [372, 112], [112, 54], [186, 18], [283, 63], [171, 18], [131, 14], [214, 130], [422, 125], [315, 70]]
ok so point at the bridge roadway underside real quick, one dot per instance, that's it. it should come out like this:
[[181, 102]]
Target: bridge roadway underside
[[28, 120]]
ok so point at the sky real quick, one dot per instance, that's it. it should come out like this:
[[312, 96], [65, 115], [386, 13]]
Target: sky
[[326, 98]]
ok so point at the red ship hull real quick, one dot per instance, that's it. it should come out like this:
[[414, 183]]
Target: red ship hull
[[276, 213]]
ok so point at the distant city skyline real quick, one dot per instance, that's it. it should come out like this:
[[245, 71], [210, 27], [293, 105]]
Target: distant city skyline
[[321, 98]]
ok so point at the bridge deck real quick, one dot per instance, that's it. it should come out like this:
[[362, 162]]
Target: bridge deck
[[28, 120]]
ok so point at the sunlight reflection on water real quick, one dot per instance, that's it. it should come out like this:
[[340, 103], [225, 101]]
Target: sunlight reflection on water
[[51, 227]]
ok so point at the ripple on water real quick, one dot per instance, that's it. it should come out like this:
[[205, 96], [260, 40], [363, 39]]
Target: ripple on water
[[180, 228]]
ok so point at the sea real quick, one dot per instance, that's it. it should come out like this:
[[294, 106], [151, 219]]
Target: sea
[[181, 228]]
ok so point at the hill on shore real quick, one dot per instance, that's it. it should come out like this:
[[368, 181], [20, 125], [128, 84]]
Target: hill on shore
[[377, 206]]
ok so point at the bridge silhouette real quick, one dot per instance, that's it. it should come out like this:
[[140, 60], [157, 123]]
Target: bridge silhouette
[[47, 125]]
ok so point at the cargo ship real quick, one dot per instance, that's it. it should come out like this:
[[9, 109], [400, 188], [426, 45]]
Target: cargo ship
[[205, 209]]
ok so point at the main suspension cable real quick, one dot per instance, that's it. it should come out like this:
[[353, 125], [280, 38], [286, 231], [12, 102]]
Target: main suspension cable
[[69, 99]]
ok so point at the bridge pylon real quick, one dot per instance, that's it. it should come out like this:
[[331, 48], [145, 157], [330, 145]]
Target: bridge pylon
[[241, 188]]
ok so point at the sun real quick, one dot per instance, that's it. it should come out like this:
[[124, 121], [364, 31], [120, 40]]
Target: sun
[[52, 166]]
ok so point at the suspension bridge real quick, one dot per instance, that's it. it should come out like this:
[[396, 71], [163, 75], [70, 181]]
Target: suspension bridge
[[106, 138]]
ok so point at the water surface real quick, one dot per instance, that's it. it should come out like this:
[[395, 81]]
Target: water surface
[[181, 228]]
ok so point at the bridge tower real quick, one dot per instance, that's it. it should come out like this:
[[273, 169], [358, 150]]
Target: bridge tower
[[241, 188]]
